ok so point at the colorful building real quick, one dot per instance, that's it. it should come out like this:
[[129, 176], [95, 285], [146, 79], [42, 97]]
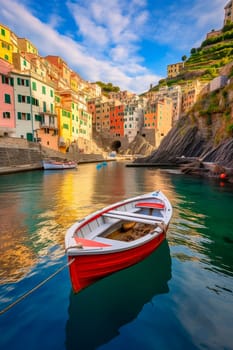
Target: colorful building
[[34, 103], [7, 103], [190, 92], [158, 116], [133, 117], [164, 119], [117, 119], [174, 92], [25, 45], [64, 70], [6, 47], [174, 69]]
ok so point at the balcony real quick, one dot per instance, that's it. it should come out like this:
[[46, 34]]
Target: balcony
[[47, 125]]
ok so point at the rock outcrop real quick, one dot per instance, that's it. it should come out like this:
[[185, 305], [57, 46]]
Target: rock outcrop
[[140, 146], [186, 140]]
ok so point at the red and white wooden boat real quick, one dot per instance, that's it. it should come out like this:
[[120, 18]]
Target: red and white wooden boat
[[116, 237], [58, 165]]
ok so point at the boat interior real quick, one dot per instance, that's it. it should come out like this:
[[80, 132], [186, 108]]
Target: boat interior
[[126, 223]]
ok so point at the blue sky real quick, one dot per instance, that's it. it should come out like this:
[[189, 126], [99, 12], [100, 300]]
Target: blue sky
[[126, 42]]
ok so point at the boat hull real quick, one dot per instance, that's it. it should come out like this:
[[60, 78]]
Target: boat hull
[[87, 269], [59, 165]]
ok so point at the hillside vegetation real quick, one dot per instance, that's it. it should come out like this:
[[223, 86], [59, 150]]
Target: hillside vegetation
[[107, 87]]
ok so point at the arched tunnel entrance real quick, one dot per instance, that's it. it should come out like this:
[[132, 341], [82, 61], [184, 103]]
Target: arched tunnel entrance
[[116, 145]]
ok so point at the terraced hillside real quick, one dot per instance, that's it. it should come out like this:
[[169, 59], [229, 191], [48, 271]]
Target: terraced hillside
[[206, 61], [214, 53]]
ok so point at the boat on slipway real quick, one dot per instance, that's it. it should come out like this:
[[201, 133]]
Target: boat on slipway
[[116, 237]]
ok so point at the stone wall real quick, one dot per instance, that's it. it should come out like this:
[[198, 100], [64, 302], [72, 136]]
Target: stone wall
[[16, 152]]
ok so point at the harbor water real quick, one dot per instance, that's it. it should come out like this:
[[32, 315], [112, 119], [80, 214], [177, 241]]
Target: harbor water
[[180, 297]]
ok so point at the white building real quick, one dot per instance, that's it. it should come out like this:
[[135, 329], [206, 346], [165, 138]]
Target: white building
[[133, 118], [34, 106]]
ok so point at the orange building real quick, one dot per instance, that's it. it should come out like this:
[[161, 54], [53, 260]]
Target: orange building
[[117, 120], [150, 115], [158, 116], [64, 70]]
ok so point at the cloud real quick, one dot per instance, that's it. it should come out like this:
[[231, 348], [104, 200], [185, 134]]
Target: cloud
[[112, 35], [187, 24], [114, 40]]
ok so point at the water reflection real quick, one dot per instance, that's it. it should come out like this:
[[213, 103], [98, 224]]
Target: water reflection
[[36, 208], [133, 305], [116, 300]]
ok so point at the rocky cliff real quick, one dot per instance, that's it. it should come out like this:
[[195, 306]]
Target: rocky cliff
[[140, 146]]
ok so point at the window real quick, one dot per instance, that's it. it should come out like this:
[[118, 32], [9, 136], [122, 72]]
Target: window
[[3, 33], [44, 106], [7, 98], [7, 80], [24, 82], [24, 99], [37, 118], [6, 57], [6, 115], [35, 102], [34, 86], [24, 116], [43, 90], [5, 46], [51, 93]]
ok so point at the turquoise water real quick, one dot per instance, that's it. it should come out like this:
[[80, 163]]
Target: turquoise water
[[181, 297]]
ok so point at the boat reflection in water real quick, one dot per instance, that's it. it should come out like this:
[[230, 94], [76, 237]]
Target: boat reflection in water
[[97, 312]]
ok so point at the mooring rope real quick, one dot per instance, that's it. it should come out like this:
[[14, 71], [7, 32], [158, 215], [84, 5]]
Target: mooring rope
[[35, 288]]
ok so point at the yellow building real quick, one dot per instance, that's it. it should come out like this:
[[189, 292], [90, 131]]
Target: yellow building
[[69, 102], [190, 92], [75, 81], [6, 47], [64, 118], [26, 46], [174, 69]]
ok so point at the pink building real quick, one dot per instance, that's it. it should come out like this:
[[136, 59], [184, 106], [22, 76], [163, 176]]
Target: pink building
[[7, 106]]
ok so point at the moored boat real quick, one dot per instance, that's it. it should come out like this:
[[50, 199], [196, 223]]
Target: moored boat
[[56, 165], [116, 237]]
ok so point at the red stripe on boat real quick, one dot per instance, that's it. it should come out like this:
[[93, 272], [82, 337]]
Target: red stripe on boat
[[89, 243], [150, 205]]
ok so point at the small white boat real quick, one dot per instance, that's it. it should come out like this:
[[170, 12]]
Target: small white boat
[[116, 237], [56, 165]]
